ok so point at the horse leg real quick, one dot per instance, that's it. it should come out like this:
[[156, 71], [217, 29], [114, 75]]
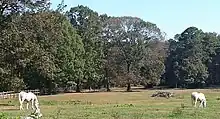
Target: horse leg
[[32, 103], [195, 102], [201, 103], [204, 103], [37, 105], [21, 104]]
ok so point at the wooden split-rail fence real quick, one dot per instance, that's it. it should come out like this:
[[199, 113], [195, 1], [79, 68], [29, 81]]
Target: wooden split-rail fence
[[12, 94]]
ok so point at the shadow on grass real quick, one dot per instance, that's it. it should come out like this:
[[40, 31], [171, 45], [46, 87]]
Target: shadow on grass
[[10, 109], [3, 104], [124, 91], [109, 91]]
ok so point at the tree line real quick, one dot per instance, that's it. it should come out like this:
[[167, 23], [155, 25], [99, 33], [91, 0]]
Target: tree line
[[48, 49]]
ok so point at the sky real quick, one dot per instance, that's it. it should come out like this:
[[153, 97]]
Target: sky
[[171, 16]]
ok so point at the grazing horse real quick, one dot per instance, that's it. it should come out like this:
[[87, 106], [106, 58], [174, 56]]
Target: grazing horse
[[195, 96], [23, 96]]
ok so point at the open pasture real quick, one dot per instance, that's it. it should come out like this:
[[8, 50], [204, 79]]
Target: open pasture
[[120, 105]]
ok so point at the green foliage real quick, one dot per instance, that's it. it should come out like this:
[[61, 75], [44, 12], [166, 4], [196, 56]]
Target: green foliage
[[129, 37], [51, 49], [152, 65], [88, 25], [40, 52], [190, 57], [8, 7], [6, 116], [3, 116]]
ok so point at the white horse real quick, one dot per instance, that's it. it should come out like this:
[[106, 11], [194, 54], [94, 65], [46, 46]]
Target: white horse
[[23, 96], [195, 96]]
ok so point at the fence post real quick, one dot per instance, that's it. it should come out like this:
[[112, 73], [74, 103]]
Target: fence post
[[2, 95]]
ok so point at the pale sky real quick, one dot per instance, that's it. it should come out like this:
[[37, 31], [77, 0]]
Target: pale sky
[[171, 16]]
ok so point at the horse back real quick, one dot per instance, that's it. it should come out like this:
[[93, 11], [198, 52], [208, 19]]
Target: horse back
[[27, 96], [198, 95]]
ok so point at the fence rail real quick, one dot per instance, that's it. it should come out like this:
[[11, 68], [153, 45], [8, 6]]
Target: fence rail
[[12, 94]]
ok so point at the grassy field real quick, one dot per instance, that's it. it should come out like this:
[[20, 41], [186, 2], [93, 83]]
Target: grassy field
[[121, 105]]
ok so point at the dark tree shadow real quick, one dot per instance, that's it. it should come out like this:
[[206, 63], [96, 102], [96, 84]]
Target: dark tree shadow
[[10, 109], [3, 104]]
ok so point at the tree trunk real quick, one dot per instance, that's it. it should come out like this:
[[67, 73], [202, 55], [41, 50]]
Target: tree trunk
[[129, 87], [128, 80], [107, 80], [77, 86], [107, 85], [50, 87], [149, 85]]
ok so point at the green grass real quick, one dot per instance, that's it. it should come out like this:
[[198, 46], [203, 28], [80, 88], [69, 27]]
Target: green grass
[[120, 105]]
